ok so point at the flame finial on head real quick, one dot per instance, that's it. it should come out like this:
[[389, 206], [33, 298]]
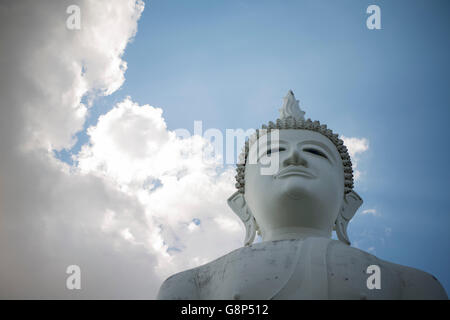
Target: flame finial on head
[[291, 108]]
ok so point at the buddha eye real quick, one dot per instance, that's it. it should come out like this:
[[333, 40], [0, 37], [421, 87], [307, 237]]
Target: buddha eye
[[316, 152], [273, 150]]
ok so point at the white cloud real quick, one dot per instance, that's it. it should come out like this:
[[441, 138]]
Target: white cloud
[[124, 213], [372, 212], [50, 216], [356, 146], [49, 68], [130, 147]]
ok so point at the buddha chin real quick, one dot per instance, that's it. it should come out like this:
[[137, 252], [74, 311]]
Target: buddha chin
[[295, 188], [309, 207]]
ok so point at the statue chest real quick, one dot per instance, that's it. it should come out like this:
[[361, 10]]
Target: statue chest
[[315, 268]]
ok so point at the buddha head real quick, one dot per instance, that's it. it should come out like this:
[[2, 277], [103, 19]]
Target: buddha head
[[309, 190]]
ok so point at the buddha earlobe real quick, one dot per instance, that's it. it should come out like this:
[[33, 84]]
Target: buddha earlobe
[[239, 206], [352, 202]]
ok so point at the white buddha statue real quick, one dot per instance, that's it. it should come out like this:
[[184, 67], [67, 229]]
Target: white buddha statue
[[295, 209]]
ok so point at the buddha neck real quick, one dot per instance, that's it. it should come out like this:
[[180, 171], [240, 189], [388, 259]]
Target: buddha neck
[[290, 233]]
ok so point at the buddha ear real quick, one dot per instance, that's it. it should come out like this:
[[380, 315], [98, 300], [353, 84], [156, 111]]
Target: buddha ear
[[352, 201], [239, 206]]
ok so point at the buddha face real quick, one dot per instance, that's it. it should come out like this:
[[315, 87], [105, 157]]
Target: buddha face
[[306, 191]]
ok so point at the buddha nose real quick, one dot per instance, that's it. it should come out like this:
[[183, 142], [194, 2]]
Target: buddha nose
[[295, 158]]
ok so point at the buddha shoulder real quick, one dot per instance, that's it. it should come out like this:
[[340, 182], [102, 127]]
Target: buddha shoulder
[[418, 284], [218, 279], [347, 263], [180, 286]]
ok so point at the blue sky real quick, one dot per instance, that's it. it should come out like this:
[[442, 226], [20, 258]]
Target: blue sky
[[229, 63]]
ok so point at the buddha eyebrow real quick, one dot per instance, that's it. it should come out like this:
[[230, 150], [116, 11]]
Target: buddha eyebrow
[[269, 143], [321, 145], [276, 142]]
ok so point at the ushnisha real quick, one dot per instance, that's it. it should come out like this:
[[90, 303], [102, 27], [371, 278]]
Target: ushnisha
[[294, 210]]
